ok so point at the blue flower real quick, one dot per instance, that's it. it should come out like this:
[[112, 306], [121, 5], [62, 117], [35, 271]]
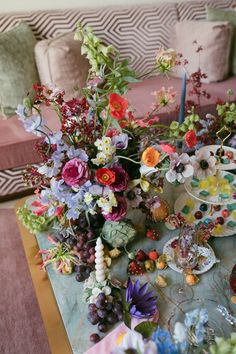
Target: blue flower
[[79, 153], [164, 342], [142, 303]]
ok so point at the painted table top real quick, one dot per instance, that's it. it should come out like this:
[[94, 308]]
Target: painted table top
[[68, 292]]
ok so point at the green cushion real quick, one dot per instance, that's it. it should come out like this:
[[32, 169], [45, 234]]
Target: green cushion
[[230, 16], [18, 70]]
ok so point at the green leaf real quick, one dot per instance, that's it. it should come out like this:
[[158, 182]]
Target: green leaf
[[130, 79], [127, 319], [146, 328], [116, 125]]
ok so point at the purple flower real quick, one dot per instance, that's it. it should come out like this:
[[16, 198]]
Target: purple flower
[[122, 179], [142, 303], [120, 141], [75, 173], [153, 203], [119, 211]]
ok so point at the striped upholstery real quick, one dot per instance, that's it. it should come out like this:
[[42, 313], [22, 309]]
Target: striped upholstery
[[136, 31], [12, 183], [196, 10]]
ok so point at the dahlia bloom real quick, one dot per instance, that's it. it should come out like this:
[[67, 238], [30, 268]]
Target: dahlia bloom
[[142, 303], [121, 179]]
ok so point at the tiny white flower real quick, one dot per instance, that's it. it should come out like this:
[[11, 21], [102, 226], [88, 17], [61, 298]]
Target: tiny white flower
[[88, 198]]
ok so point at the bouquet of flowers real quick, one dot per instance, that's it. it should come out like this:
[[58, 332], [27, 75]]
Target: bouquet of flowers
[[102, 163]]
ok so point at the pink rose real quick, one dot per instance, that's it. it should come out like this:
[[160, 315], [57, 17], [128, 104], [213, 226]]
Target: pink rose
[[119, 211], [75, 172]]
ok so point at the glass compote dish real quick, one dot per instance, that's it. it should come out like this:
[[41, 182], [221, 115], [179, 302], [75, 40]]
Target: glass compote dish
[[186, 257]]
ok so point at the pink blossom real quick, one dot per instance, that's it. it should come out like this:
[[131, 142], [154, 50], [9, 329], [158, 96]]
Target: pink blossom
[[75, 172], [169, 149], [164, 97]]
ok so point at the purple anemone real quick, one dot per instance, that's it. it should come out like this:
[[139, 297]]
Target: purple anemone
[[142, 303]]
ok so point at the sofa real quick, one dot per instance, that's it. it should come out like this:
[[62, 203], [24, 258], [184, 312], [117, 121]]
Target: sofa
[[137, 32]]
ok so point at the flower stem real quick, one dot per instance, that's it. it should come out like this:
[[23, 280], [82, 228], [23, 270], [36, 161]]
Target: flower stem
[[127, 158]]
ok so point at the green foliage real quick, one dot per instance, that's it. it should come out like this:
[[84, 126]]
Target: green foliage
[[33, 222], [146, 328], [105, 63], [177, 130], [227, 111], [224, 346]]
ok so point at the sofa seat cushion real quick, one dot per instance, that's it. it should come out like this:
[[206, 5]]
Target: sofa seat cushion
[[16, 145], [140, 96]]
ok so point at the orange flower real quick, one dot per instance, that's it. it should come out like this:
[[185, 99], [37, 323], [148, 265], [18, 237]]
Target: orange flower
[[151, 157]]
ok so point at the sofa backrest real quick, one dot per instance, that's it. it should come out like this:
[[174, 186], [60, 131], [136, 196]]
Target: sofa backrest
[[137, 31], [196, 10]]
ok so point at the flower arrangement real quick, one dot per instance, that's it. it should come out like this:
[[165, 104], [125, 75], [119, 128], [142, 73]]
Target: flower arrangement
[[103, 163]]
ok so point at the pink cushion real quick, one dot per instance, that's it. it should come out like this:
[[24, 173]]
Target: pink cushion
[[16, 145], [141, 99]]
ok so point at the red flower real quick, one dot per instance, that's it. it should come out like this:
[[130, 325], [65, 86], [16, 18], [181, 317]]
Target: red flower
[[118, 106], [169, 149], [190, 139], [105, 176]]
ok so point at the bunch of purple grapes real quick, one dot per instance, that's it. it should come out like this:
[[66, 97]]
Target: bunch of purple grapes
[[104, 313]]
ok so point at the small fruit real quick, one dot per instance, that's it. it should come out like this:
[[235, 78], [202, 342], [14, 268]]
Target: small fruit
[[152, 234], [161, 281], [233, 299], [135, 268], [191, 279], [160, 213], [149, 265], [141, 256], [161, 265], [94, 338], [153, 255], [220, 220], [225, 213], [229, 154]]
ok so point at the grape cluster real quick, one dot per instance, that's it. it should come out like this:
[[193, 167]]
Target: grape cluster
[[104, 313]]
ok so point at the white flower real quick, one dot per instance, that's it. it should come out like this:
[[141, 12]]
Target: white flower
[[88, 198], [180, 168], [204, 164], [147, 171], [106, 150], [180, 333], [134, 340], [107, 203]]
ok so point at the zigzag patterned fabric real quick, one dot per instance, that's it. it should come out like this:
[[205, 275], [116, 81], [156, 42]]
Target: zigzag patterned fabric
[[196, 10], [136, 31], [11, 182]]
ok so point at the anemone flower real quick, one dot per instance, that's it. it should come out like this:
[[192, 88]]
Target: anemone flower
[[142, 303]]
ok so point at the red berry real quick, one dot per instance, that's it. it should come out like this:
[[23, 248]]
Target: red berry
[[135, 268], [229, 154], [225, 213], [220, 220], [141, 256], [153, 255], [152, 234], [198, 215]]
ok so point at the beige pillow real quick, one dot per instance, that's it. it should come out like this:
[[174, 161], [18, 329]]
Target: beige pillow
[[214, 37], [60, 63]]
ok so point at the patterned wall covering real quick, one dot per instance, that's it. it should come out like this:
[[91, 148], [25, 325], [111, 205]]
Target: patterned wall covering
[[196, 10], [136, 31]]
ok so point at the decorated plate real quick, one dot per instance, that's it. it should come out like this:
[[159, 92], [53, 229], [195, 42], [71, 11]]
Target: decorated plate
[[206, 258], [228, 159], [220, 189], [217, 325], [196, 212]]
